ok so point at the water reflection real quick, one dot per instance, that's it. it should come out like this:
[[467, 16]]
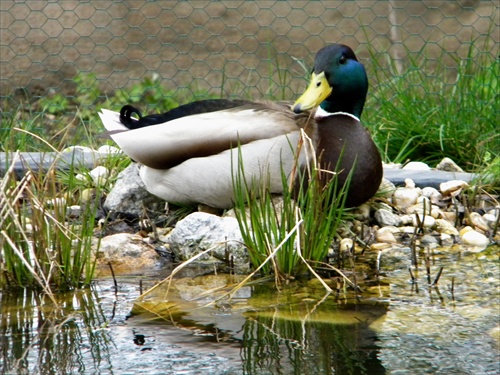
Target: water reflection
[[294, 347], [37, 337], [298, 330], [395, 327]]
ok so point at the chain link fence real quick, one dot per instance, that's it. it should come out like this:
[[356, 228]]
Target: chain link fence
[[222, 47]]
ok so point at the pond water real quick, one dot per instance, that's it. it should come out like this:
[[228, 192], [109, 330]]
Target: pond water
[[393, 326]]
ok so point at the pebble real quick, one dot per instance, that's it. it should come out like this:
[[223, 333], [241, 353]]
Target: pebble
[[406, 219], [448, 165], [386, 234], [432, 194], [386, 188], [417, 166], [346, 244], [405, 197], [74, 211], [478, 221], [426, 221], [445, 227], [428, 239], [99, 175], [446, 239], [87, 195], [453, 187], [109, 150], [490, 219], [471, 237], [385, 217], [363, 212]]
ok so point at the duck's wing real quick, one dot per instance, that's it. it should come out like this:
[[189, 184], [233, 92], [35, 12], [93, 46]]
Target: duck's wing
[[166, 145]]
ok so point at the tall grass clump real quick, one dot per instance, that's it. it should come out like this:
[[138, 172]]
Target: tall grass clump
[[287, 237], [429, 113], [42, 246]]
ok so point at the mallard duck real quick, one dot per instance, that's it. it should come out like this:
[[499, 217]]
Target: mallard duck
[[190, 155]]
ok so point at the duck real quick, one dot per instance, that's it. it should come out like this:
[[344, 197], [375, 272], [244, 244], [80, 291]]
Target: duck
[[191, 154]]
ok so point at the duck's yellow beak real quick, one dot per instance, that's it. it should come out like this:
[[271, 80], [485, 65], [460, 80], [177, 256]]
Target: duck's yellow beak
[[319, 89]]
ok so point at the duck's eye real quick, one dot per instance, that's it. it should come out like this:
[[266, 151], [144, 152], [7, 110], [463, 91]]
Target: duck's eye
[[342, 59], [318, 84]]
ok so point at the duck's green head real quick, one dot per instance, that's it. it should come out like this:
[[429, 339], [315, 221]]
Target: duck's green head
[[338, 82]]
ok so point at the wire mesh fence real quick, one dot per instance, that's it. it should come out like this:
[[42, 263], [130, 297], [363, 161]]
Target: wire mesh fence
[[224, 48]]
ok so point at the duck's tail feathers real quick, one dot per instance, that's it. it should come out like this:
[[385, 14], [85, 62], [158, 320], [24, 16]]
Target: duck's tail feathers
[[111, 121]]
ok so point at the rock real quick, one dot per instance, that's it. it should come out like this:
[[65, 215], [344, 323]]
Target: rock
[[129, 196], [200, 231], [453, 187], [386, 188], [428, 239], [404, 197], [74, 211], [346, 244], [99, 175], [433, 194], [109, 150], [127, 253], [417, 166], [430, 209], [409, 183], [491, 219], [478, 222], [445, 227], [406, 219], [448, 165], [362, 212], [426, 221], [449, 216], [446, 239], [386, 234], [386, 217], [473, 238]]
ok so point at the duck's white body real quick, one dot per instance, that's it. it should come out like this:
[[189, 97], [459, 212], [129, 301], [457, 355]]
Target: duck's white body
[[195, 159]]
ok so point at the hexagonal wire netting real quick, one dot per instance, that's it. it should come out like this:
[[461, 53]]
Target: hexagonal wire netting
[[224, 48]]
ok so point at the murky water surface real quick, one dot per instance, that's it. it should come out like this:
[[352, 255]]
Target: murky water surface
[[394, 326]]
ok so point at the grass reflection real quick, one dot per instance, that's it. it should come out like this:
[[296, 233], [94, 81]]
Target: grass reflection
[[37, 337]]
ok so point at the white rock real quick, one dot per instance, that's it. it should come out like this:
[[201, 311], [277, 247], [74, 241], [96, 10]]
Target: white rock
[[80, 177], [453, 187], [445, 227], [386, 188], [83, 149], [433, 194], [406, 219], [409, 183], [417, 166], [405, 197], [74, 211], [346, 244], [99, 175], [448, 165], [478, 221], [386, 234], [363, 212], [56, 202], [107, 150], [490, 219], [446, 239], [426, 220], [386, 217], [473, 238], [408, 229], [430, 209], [200, 231]]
